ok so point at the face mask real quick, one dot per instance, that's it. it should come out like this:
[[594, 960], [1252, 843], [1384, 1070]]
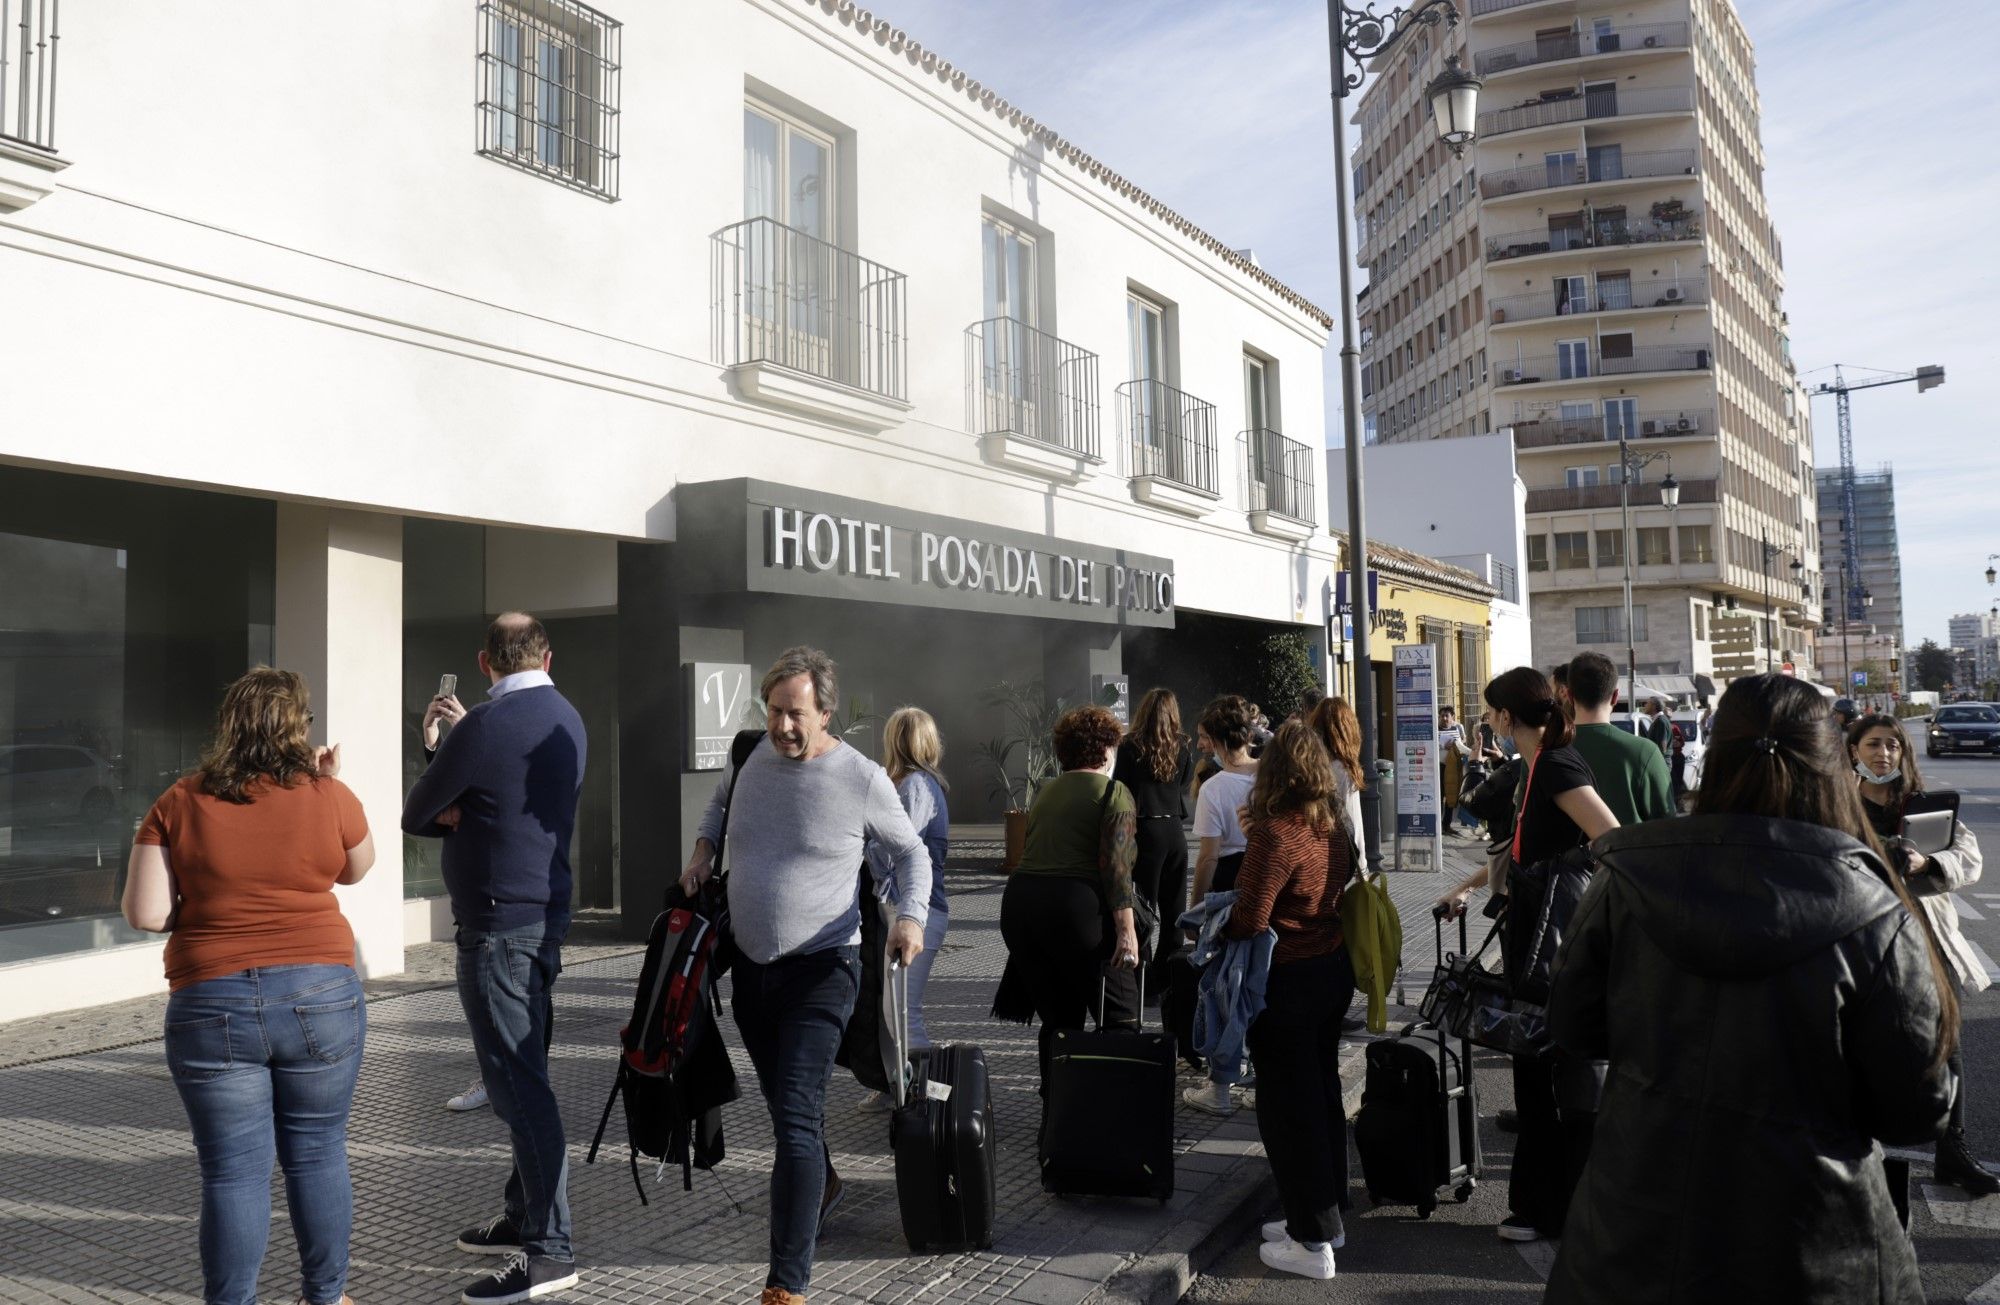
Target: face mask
[[1870, 777]]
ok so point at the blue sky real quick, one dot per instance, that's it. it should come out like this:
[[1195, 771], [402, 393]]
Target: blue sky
[[1880, 167]]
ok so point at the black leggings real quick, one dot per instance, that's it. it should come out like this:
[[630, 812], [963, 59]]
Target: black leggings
[[1295, 1048], [1160, 875], [1055, 929], [1549, 1149]]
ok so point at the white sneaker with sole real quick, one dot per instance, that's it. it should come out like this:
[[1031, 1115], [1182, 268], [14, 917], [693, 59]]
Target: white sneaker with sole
[[1210, 1098], [1289, 1256], [1274, 1231], [471, 1099], [877, 1103]]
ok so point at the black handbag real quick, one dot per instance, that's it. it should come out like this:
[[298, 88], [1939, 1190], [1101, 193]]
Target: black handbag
[[1541, 899], [1469, 1001]]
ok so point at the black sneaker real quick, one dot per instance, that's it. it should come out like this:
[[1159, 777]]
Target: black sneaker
[[1512, 1229], [497, 1236], [829, 1199], [523, 1277]]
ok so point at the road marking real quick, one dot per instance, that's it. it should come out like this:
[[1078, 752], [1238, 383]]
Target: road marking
[[1964, 908], [1992, 970]]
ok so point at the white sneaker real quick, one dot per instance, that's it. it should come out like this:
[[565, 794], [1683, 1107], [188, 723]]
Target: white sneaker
[[471, 1099], [1289, 1256], [1274, 1231], [1211, 1098], [877, 1103]]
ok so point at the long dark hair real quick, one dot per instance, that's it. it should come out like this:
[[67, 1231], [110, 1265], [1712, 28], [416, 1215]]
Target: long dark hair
[[1527, 695], [1156, 733], [260, 735], [1908, 781], [1775, 753]]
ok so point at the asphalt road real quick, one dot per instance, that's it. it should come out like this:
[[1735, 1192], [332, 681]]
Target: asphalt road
[[1454, 1256]]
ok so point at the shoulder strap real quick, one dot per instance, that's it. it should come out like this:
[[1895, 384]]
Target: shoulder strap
[[740, 749]]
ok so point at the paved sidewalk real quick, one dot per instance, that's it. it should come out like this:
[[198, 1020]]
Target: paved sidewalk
[[97, 1173]]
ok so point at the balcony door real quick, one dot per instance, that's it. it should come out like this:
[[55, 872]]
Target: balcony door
[[1153, 414], [1575, 418], [1572, 359], [793, 283], [1607, 162], [1019, 372], [1266, 491], [1600, 99], [1572, 295], [1561, 165], [1614, 290], [1621, 419]]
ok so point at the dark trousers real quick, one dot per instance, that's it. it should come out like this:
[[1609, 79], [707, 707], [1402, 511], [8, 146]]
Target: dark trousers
[[506, 983], [1056, 931], [1295, 1049], [1549, 1149], [1957, 1067], [1160, 875], [791, 1014]]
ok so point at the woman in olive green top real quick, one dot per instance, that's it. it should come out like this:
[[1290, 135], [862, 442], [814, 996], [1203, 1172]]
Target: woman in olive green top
[[1068, 905]]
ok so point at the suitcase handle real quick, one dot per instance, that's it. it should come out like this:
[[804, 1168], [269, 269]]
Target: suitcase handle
[[1104, 995], [899, 1027]]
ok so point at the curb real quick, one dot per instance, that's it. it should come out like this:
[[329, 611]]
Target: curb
[[1245, 1197]]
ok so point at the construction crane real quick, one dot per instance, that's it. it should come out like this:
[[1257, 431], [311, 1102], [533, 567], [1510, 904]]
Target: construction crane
[[1854, 599]]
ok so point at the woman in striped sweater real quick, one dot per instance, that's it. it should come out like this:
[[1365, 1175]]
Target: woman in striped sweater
[[1296, 863]]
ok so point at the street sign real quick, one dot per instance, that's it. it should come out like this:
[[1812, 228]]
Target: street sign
[[1419, 814], [1343, 588], [1860, 679]]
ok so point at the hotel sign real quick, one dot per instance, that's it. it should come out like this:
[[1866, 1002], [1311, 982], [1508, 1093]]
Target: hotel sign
[[798, 541]]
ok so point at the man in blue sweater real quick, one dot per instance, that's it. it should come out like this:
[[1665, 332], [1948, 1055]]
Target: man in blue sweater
[[502, 793]]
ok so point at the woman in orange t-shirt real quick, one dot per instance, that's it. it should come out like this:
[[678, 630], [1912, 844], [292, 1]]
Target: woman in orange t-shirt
[[237, 863]]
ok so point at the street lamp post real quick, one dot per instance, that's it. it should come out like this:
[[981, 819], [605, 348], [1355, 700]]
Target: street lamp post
[[1771, 553], [1630, 464], [1355, 33]]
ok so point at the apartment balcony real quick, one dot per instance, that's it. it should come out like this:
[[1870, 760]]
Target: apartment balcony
[[1279, 487], [1549, 432], [1609, 295], [1634, 39], [1585, 360], [1170, 439], [1601, 233], [1031, 398], [1604, 170], [1585, 106], [803, 324], [28, 45], [1582, 498]]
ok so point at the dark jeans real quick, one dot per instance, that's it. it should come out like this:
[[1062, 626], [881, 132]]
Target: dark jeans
[[1957, 1066], [265, 1062], [1295, 1049], [1160, 875], [791, 1014], [1055, 928], [1549, 1149], [506, 982]]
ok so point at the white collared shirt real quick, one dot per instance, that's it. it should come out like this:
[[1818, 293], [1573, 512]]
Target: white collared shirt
[[507, 684]]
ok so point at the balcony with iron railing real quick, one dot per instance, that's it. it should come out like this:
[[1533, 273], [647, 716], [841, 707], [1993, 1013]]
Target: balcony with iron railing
[[1551, 431], [28, 45], [1279, 484], [1558, 46], [1031, 397], [1171, 443], [1587, 359], [1578, 498], [1608, 295], [789, 307], [1487, 8], [1624, 166], [1586, 106], [1600, 233]]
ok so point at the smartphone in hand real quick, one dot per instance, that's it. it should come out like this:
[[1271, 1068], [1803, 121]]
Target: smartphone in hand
[[447, 685]]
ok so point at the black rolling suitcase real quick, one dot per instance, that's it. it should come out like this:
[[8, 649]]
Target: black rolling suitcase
[[1108, 1117], [1418, 1127], [942, 1137]]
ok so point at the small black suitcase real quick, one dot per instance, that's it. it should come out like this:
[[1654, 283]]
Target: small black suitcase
[[1108, 1116], [1418, 1127], [942, 1137]]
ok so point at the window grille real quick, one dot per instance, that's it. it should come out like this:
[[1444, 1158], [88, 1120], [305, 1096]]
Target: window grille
[[548, 91]]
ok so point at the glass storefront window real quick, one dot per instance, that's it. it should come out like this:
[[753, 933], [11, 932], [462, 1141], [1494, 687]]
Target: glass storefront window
[[125, 610]]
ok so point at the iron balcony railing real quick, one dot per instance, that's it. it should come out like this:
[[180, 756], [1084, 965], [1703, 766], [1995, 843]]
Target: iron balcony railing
[[1577, 498], [1558, 46], [1613, 102], [1601, 233], [781, 296], [1550, 431], [1609, 295], [1587, 360], [1026, 382], [1170, 435], [1604, 167], [1506, 581], [28, 44], [1280, 475]]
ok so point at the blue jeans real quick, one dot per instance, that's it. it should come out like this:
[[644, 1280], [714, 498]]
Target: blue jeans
[[506, 981], [791, 1014], [265, 1062]]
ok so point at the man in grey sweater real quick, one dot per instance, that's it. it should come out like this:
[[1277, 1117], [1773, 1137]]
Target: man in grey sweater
[[801, 811]]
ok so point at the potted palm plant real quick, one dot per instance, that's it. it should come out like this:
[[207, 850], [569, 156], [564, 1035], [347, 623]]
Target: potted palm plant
[[1023, 758]]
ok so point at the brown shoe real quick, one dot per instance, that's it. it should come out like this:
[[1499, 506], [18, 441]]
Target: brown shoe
[[779, 1296]]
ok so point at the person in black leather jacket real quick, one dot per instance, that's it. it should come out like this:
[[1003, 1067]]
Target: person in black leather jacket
[[1771, 1008]]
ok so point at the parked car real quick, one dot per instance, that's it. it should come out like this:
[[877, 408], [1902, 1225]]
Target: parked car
[[1963, 727], [46, 783]]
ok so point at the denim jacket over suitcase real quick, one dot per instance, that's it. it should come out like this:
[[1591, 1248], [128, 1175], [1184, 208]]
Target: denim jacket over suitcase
[[1233, 975]]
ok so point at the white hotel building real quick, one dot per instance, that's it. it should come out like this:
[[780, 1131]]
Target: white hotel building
[[697, 330]]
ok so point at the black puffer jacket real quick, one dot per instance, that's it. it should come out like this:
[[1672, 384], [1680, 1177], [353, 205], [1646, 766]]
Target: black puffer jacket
[[1769, 1014]]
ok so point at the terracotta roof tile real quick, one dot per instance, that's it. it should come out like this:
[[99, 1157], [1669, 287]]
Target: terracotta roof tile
[[1407, 562]]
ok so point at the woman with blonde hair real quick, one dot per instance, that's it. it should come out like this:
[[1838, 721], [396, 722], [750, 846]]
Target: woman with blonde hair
[[264, 1027], [1156, 762], [913, 754]]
